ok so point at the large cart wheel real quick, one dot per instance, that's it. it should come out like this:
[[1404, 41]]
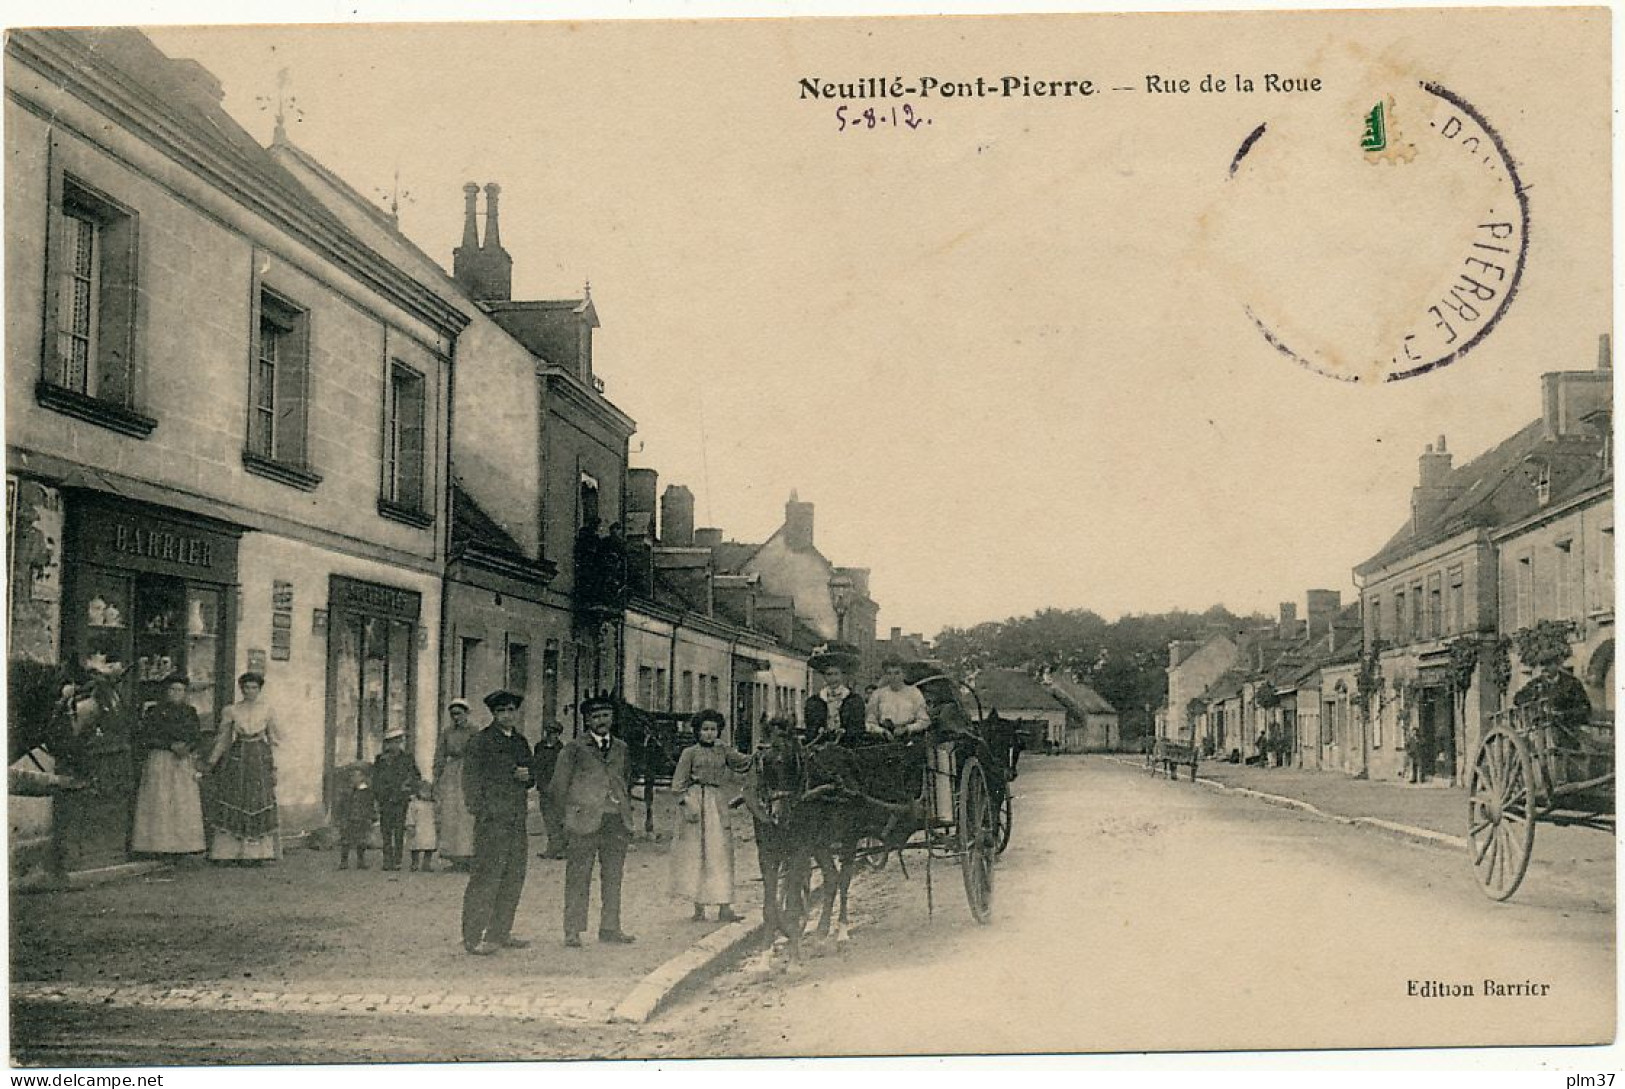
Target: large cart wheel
[[1501, 812], [978, 839], [1006, 818]]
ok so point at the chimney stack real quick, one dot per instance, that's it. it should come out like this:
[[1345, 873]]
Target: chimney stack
[[1431, 494], [484, 271], [1324, 606], [798, 524], [707, 538], [677, 517], [1288, 627], [640, 491]]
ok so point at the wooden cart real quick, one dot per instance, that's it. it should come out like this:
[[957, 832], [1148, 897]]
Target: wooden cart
[[1541, 761]]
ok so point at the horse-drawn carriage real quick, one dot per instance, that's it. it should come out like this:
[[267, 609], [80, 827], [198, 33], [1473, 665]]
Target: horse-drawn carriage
[[1543, 759], [944, 794]]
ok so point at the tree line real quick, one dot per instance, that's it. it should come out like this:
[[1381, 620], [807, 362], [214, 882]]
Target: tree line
[[1123, 659]]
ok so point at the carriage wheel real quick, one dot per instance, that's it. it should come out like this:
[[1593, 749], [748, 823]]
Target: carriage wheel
[[978, 839], [1006, 818], [1501, 812]]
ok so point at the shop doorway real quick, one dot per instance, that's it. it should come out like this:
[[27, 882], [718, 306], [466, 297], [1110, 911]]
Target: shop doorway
[[372, 645]]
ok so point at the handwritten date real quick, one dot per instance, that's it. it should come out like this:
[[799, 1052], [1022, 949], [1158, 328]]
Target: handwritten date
[[902, 118]]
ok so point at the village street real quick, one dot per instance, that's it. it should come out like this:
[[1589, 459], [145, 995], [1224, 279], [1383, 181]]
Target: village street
[[1131, 913]]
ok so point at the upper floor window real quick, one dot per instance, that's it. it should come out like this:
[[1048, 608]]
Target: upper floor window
[[404, 437], [1458, 599], [91, 347], [278, 392], [1376, 620], [1401, 622], [1523, 596], [588, 501], [1435, 614]]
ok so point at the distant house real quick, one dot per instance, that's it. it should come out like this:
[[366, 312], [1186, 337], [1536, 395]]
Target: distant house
[[1015, 695], [1091, 719], [832, 601]]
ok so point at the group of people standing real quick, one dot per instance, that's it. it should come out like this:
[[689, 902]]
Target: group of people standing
[[586, 797], [238, 772], [584, 789]]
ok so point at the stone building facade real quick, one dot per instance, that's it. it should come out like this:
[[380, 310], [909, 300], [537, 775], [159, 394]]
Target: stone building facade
[[227, 411]]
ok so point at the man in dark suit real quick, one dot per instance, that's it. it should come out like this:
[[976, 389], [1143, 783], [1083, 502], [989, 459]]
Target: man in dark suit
[[496, 784], [836, 708], [592, 781]]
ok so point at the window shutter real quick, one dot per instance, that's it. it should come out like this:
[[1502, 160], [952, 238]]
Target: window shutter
[[292, 381], [58, 264], [410, 417], [116, 327]]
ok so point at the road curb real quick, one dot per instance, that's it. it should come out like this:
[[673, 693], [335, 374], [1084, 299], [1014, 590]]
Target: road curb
[[706, 957], [1413, 832], [1408, 831]]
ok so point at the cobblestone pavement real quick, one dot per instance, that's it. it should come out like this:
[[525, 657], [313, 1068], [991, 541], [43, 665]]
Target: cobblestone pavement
[[300, 935]]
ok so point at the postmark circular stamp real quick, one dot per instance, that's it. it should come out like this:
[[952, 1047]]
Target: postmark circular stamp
[[1377, 237]]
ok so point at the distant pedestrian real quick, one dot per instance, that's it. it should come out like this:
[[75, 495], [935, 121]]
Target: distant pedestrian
[[421, 839], [593, 783], [245, 778], [395, 779], [544, 760], [357, 810], [702, 853], [456, 827], [496, 785], [168, 807]]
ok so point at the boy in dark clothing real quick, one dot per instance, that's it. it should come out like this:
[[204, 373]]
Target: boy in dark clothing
[[357, 811], [395, 779]]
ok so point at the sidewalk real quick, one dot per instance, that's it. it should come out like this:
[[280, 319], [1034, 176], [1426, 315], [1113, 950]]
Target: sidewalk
[[1433, 811], [299, 934], [1433, 807]]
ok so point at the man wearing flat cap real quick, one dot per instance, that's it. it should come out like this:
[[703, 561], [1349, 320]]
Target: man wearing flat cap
[[496, 784], [593, 782]]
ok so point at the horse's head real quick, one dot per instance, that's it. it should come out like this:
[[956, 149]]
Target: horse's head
[[779, 768]]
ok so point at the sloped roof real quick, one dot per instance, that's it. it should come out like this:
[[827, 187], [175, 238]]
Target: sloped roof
[[1008, 690], [1226, 686], [1489, 491], [470, 524], [731, 556], [1080, 697]]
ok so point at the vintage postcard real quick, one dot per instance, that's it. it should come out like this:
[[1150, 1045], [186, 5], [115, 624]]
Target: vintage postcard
[[786, 537]]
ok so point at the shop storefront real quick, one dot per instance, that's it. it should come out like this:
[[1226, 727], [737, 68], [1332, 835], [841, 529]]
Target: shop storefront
[[374, 634], [148, 592]]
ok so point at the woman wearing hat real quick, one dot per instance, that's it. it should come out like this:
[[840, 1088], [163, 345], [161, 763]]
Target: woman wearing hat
[[168, 806], [455, 822], [702, 856], [245, 817]]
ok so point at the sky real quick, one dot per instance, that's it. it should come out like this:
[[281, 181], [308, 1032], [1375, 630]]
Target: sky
[[1007, 354]]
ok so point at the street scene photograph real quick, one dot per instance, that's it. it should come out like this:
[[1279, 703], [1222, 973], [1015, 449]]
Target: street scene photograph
[[766, 538]]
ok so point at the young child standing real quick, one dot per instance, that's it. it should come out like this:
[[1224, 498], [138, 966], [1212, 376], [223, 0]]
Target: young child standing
[[395, 779], [420, 831], [356, 811]]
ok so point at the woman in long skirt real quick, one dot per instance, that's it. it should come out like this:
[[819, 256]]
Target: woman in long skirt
[[245, 815], [455, 822], [702, 858], [168, 807]]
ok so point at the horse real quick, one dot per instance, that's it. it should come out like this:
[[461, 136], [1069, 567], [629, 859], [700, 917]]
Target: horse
[[813, 804], [790, 836]]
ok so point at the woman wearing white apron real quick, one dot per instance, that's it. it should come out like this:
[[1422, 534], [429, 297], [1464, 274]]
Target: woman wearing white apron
[[702, 860], [168, 806]]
